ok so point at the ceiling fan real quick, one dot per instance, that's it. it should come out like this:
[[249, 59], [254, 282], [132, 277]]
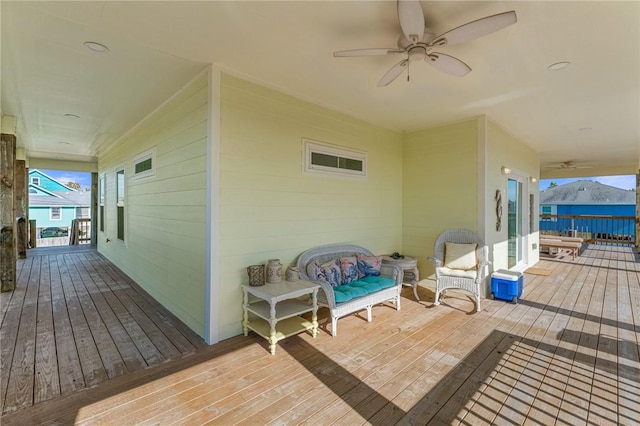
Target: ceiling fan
[[417, 42], [567, 165]]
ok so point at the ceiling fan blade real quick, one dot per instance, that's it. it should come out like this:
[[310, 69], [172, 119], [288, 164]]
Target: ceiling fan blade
[[475, 29], [411, 19], [366, 52], [448, 64], [393, 73]]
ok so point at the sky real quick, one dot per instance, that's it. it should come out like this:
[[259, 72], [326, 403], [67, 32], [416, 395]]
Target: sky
[[83, 178], [623, 182]]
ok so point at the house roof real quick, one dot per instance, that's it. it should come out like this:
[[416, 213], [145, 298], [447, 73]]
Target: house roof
[[41, 173], [587, 192], [566, 115], [62, 198], [41, 191]]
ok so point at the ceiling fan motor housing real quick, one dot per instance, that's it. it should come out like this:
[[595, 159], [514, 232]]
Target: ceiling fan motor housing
[[404, 43]]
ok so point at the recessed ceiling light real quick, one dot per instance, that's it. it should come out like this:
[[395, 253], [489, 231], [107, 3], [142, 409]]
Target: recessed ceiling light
[[71, 116], [584, 129], [558, 66], [96, 47]]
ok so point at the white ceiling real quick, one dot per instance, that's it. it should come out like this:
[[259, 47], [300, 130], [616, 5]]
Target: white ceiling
[[157, 47]]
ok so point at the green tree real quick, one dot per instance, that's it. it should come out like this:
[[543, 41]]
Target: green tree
[[553, 185]]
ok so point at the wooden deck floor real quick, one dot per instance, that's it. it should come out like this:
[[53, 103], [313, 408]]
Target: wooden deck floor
[[567, 354], [75, 321]]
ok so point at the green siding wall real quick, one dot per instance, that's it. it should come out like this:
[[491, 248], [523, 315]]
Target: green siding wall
[[270, 209], [418, 184], [440, 186], [164, 248]]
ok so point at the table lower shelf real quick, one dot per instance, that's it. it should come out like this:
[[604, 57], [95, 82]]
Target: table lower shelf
[[284, 328]]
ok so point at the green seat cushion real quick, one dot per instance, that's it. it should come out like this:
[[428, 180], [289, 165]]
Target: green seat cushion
[[361, 287], [371, 287], [383, 282], [345, 292]]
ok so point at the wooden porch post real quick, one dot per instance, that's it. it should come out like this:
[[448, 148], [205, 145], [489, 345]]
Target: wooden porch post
[[7, 213], [94, 208], [20, 206]]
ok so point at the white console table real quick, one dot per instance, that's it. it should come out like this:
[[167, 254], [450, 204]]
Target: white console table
[[277, 310]]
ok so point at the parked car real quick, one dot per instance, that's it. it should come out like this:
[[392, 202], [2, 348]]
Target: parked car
[[53, 232]]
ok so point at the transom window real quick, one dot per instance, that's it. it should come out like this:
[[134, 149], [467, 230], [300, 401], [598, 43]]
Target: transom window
[[322, 158], [144, 164]]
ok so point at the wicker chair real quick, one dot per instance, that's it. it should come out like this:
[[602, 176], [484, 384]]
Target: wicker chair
[[470, 279]]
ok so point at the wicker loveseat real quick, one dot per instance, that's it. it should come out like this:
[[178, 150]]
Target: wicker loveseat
[[364, 292]]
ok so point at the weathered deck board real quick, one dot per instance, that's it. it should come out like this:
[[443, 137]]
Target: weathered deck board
[[63, 329], [70, 370], [47, 381], [20, 388], [10, 326], [158, 321], [566, 354]]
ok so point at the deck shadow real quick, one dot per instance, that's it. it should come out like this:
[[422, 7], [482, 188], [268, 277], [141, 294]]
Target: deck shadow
[[498, 363]]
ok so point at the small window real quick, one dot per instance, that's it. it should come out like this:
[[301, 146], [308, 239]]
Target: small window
[[143, 164], [55, 213], [32, 191], [35, 180], [321, 158], [546, 211]]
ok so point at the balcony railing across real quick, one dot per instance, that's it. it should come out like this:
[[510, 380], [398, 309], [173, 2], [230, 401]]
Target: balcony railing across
[[594, 229], [80, 232]]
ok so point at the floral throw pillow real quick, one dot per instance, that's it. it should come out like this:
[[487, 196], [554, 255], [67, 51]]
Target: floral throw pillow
[[349, 269], [369, 265], [329, 272]]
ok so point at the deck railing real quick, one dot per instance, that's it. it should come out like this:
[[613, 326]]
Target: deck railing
[[594, 229], [80, 232]]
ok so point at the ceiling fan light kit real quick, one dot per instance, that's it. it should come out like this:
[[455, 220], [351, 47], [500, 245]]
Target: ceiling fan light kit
[[417, 41]]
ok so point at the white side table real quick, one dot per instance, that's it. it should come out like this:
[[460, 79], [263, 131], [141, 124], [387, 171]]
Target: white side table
[[408, 264], [279, 305]]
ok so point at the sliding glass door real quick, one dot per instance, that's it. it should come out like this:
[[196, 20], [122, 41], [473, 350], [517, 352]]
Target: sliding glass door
[[515, 209]]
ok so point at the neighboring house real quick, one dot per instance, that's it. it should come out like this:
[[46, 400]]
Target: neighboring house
[[53, 204], [587, 198]]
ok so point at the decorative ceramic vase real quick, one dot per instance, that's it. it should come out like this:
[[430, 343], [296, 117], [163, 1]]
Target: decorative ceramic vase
[[274, 271], [293, 273], [256, 275]]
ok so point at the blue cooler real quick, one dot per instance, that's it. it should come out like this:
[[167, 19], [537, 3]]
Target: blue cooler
[[507, 285]]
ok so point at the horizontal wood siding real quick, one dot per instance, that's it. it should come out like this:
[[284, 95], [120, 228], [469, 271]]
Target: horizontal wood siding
[[164, 214], [440, 186], [270, 209]]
